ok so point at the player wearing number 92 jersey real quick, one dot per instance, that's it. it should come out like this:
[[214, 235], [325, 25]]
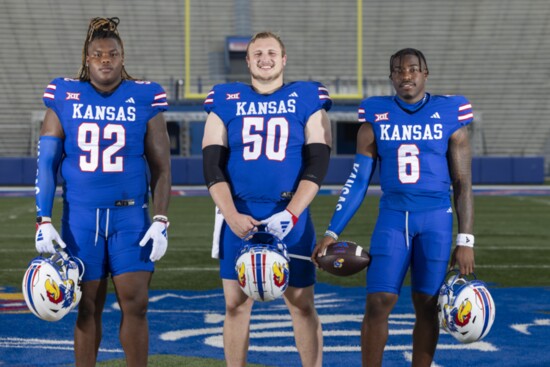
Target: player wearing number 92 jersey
[[412, 148], [265, 134], [104, 164]]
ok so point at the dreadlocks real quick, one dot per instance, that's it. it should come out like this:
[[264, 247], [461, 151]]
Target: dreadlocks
[[100, 28], [409, 51]]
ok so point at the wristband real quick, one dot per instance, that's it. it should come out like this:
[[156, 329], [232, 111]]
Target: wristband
[[160, 218], [464, 239], [294, 218], [42, 219], [331, 234]]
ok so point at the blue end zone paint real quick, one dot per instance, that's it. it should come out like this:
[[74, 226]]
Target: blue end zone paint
[[190, 324]]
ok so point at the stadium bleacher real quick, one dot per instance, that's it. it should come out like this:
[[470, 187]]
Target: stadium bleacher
[[493, 51]]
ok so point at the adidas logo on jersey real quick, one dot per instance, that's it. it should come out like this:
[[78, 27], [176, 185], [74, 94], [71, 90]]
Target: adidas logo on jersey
[[130, 100], [293, 94], [435, 116]]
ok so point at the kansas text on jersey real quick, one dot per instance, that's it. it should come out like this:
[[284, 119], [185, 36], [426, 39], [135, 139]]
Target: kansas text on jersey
[[412, 148], [103, 164], [265, 135]]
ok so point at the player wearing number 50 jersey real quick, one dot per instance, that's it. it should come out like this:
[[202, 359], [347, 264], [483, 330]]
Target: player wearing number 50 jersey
[[266, 149], [421, 144], [104, 130]]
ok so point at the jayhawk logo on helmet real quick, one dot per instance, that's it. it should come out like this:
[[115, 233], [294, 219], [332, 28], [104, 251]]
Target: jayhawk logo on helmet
[[463, 313], [280, 274], [241, 275]]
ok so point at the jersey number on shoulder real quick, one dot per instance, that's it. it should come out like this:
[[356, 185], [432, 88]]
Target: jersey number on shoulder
[[274, 143], [89, 136], [408, 163]]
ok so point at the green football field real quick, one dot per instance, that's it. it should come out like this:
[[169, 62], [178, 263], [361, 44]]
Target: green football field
[[512, 240]]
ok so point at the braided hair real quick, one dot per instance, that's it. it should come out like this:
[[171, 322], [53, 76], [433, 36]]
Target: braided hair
[[409, 51], [100, 28]]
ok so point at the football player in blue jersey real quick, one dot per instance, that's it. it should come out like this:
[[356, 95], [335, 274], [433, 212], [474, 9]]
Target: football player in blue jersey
[[421, 143], [266, 149], [104, 130]]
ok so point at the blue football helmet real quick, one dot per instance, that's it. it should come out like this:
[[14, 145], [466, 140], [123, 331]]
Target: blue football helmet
[[51, 285], [262, 266]]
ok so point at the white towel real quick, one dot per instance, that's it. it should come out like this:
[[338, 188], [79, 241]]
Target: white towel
[[218, 221]]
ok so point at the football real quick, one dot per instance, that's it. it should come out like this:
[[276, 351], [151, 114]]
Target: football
[[344, 258]]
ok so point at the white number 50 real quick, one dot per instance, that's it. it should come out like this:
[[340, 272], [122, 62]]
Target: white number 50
[[275, 142]]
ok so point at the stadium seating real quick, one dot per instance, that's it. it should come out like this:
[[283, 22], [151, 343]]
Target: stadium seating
[[495, 52]]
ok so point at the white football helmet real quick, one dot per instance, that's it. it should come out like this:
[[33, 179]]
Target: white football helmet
[[51, 286], [262, 267], [466, 309]]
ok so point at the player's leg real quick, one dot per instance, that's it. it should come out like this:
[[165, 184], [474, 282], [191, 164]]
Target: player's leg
[[431, 251], [88, 328], [132, 291], [83, 234], [374, 329], [426, 329], [131, 270], [390, 261], [299, 295], [307, 327], [238, 308]]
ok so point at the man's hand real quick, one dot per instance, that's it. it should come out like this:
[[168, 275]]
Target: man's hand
[[320, 249], [280, 224], [45, 235], [463, 256], [158, 232]]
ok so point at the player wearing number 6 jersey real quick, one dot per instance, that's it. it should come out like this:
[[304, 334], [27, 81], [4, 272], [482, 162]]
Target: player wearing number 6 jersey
[[104, 130], [421, 144], [266, 149]]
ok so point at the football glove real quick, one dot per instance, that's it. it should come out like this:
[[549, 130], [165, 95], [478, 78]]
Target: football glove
[[158, 232], [45, 235], [280, 224]]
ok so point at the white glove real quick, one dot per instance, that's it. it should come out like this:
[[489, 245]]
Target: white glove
[[45, 235], [280, 224], [158, 232]]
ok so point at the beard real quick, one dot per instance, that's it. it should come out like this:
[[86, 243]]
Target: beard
[[265, 78]]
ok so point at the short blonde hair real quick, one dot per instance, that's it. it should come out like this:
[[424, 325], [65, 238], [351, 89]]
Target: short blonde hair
[[264, 35]]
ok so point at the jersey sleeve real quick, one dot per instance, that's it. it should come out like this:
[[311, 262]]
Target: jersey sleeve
[[365, 112], [160, 102], [208, 103], [322, 97], [52, 95], [465, 113]]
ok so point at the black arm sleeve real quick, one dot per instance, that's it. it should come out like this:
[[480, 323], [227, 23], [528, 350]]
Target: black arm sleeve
[[214, 160], [316, 158]]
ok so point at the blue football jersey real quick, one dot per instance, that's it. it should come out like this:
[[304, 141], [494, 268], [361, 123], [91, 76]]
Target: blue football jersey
[[104, 164], [265, 135], [412, 148]]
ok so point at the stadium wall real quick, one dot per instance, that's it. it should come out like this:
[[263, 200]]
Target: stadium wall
[[188, 170]]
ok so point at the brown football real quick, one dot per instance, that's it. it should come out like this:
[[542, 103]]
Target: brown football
[[344, 258]]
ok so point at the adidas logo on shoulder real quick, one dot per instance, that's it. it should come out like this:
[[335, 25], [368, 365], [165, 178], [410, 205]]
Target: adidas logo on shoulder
[[435, 116], [130, 100], [293, 94]]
